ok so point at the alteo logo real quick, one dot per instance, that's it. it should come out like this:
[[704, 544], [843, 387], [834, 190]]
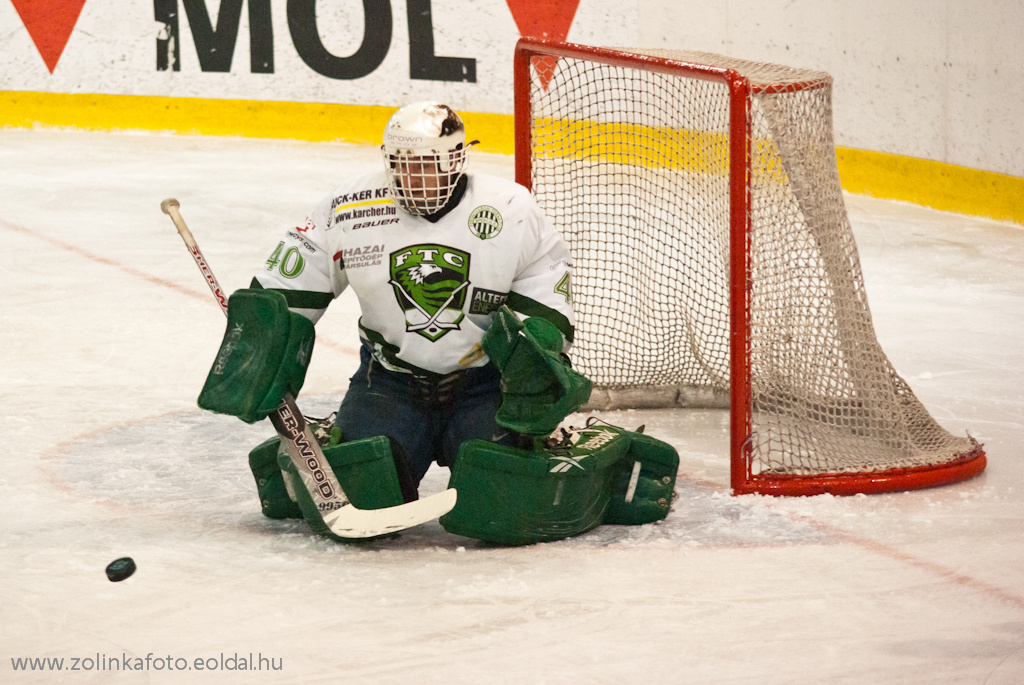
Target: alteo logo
[[50, 24]]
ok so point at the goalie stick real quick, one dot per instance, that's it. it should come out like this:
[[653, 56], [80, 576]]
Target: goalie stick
[[341, 517]]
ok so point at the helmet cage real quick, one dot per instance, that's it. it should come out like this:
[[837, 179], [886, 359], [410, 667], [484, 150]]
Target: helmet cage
[[422, 181]]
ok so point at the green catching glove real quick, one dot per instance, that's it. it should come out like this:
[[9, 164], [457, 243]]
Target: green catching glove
[[539, 386], [264, 354]]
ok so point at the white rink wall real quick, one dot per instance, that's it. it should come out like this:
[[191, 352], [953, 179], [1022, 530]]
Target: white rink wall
[[115, 46], [937, 80], [934, 79]]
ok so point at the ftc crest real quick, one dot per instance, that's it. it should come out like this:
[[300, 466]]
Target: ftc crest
[[430, 283]]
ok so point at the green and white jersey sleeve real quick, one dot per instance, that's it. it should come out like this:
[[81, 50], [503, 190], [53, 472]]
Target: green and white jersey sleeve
[[427, 290]]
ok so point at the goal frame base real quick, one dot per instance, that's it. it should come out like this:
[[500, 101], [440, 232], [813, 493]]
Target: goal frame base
[[878, 482]]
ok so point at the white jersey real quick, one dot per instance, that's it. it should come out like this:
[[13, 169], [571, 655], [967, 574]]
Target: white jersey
[[427, 291]]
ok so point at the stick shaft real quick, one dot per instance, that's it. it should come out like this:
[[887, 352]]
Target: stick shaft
[[170, 207]]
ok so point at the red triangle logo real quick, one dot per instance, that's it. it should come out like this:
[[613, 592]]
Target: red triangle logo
[[49, 23], [544, 19]]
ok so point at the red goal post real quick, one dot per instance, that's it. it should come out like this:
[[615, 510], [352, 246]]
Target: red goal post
[[715, 265]]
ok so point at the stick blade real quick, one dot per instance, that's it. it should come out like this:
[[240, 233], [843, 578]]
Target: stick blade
[[349, 522]]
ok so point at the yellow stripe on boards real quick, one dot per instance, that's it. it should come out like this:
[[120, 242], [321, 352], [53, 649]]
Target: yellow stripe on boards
[[934, 184], [250, 118], [314, 121], [495, 132], [947, 187]]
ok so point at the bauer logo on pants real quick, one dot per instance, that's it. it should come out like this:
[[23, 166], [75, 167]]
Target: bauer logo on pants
[[430, 282]]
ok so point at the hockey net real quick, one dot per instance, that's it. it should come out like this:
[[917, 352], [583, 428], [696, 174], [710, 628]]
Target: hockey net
[[715, 265]]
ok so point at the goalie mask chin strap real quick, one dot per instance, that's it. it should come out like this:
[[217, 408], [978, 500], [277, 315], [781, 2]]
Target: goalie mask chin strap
[[453, 201]]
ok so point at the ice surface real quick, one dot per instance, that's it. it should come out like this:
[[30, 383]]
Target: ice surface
[[109, 330]]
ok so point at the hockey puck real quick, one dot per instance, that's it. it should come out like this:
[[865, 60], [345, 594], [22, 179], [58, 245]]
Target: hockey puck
[[119, 569]]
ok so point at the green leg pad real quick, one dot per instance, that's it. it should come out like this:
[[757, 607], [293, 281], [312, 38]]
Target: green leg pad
[[364, 468], [274, 498], [519, 497], [644, 482]]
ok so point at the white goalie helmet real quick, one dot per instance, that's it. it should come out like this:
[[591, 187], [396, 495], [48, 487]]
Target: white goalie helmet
[[424, 155]]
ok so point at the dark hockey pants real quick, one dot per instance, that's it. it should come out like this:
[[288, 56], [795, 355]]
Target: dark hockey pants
[[429, 417]]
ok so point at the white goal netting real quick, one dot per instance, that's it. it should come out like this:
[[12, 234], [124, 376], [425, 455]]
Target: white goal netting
[[633, 166]]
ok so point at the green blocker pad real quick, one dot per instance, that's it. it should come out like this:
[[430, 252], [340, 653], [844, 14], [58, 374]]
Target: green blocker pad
[[519, 497], [364, 468], [644, 482], [264, 354]]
